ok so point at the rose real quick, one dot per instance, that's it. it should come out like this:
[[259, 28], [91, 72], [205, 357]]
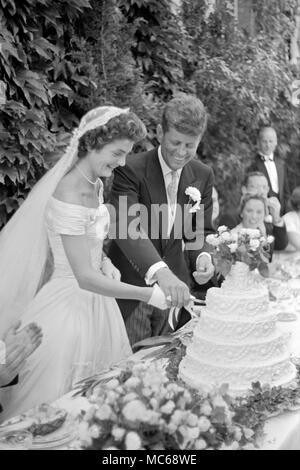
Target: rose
[[168, 407], [225, 237], [133, 441], [118, 433], [254, 244], [193, 193], [204, 424], [132, 382], [233, 247], [135, 411], [200, 444], [222, 229], [251, 232], [248, 433], [104, 412], [212, 240]]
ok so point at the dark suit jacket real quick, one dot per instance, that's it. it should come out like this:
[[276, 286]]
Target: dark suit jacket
[[142, 181], [283, 196]]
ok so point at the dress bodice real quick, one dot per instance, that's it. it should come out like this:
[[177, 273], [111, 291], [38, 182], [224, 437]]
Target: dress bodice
[[63, 218]]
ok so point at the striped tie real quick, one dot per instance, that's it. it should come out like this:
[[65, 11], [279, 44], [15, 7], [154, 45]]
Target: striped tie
[[172, 190]]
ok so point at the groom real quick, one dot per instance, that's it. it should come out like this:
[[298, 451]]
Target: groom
[[152, 179]]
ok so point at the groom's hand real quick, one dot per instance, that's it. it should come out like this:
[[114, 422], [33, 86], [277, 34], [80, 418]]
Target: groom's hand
[[173, 287], [204, 270]]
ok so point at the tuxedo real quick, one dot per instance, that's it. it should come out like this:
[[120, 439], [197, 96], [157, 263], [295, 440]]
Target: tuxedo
[[142, 181], [283, 189]]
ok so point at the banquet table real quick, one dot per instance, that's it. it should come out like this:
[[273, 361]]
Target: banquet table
[[281, 432]]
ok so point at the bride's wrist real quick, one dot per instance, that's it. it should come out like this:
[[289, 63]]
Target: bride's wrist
[[146, 293]]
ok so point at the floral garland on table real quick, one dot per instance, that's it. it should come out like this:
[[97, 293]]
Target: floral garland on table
[[141, 409], [146, 407], [247, 246]]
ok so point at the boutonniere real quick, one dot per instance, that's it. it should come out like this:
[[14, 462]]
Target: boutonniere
[[195, 196]]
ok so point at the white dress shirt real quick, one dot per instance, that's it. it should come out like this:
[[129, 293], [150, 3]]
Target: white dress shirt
[[167, 174], [272, 171]]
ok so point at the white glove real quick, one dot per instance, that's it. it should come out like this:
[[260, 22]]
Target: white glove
[[158, 298]]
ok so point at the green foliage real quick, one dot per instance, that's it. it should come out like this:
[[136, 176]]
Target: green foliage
[[60, 58], [160, 44], [42, 79], [245, 82]]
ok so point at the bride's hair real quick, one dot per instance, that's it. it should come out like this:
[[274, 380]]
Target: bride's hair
[[125, 126]]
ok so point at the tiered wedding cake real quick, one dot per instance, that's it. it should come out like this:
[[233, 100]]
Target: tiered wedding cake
[[236, 340]]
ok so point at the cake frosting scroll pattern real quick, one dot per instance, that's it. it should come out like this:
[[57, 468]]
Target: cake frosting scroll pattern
[[236, 340]]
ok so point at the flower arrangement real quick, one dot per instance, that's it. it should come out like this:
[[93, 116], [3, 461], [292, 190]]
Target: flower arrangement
[[141, 409], [195, 196], [246, 246]]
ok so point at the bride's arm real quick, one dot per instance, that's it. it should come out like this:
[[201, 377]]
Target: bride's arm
[[78, 254]]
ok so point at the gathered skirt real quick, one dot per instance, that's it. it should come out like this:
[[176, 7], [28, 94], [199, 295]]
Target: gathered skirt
[[83, 334]]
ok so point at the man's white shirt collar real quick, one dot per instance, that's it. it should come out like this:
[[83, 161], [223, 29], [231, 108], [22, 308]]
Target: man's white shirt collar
[[267, 158], [166, 170]]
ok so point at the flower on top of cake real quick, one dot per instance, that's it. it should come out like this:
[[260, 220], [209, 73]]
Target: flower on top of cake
[[246, 246]]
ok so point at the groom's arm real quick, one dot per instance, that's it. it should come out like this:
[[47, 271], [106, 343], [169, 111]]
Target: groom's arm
[[125, 195]]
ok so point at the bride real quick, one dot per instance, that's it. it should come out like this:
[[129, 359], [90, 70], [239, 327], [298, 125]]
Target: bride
[[83, 330]]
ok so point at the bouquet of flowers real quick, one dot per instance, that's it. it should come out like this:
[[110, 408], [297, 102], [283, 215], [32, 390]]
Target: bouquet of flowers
[[141, 409], [246, 246]]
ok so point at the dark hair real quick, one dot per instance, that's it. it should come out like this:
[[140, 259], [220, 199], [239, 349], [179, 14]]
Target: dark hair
[[295, 199], [186, 114], [250, 175], [247, 197], [125, 126]]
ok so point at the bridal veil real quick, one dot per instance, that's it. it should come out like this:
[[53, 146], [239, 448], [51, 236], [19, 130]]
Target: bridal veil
[[23, 241]]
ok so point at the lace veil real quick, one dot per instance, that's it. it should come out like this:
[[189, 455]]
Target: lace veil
[[23, 241]]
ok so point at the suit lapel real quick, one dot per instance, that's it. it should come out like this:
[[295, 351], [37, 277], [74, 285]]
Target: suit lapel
[[280, 174], [155, 184], [262, 168]]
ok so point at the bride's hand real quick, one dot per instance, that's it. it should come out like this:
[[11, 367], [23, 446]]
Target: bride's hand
[[110, 270], [158, 298]]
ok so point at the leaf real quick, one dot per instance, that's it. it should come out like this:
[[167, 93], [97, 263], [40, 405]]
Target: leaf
[[10, 172]]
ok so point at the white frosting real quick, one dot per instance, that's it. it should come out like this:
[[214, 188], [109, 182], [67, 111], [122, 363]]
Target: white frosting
[[234, 330], [236, 340], [223, 302]]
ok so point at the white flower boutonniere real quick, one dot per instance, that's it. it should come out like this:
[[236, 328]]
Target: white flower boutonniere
[[195, 196]]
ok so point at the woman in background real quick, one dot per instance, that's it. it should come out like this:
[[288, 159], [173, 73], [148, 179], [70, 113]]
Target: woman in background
[[292, 221]]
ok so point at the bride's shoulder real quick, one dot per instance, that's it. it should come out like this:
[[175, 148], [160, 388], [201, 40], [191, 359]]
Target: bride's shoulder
[[66, 190]]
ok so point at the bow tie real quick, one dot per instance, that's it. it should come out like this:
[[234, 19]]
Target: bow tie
[[267, 159]]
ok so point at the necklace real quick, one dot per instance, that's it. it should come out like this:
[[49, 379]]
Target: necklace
[[85, 177]]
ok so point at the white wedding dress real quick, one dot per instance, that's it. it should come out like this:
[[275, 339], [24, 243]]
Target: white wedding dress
[[83, 332]]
